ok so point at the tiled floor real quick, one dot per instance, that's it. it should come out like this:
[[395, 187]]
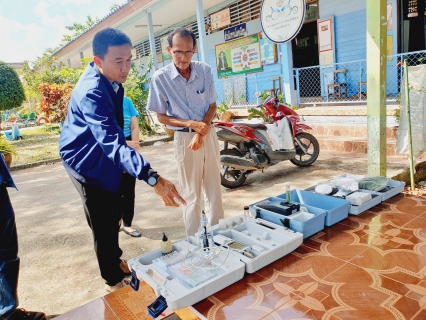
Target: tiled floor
[[371, 266]]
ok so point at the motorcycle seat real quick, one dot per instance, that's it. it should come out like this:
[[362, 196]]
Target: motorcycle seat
[[257, 126]]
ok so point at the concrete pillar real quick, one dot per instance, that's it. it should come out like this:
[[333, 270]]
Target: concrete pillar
[[202, 43], [152, 42], [287, 72], [376, 86]]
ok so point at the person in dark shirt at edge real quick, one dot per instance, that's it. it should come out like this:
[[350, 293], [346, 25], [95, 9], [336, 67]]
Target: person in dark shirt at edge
[[95, 154], [9, 260]]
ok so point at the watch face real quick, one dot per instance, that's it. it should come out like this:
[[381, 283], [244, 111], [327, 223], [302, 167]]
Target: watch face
[[152, 181]]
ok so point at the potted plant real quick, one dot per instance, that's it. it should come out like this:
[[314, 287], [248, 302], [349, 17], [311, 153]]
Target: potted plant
[[223, 112], [7, 150]]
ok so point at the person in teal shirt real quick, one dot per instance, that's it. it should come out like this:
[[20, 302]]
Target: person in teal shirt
[[131, 132]]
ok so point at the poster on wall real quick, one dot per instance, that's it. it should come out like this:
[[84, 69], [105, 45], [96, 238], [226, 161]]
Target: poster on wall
[[238, 56], [220, 19], [389, 14], [164, 53], [325, 35], [268, 50], [281, 20]]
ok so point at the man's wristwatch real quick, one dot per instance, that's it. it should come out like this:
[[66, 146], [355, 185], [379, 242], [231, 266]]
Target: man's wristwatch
[[153, 179]]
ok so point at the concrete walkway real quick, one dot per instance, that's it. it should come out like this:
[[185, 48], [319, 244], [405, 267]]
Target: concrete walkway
[[59, 271]]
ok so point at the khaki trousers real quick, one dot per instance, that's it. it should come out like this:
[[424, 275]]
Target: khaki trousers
[[199, 178]]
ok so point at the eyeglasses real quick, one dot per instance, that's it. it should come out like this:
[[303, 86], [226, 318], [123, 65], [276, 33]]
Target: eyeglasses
[[180, 54]]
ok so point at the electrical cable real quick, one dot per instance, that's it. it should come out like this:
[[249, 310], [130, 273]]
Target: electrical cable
[[214, 251]]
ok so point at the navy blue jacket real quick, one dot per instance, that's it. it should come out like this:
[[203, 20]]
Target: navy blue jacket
[[92, 144], [5, 177]]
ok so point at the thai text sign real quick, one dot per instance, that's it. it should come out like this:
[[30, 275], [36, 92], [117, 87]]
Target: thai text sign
[[238, 56], [281, 20], [220, 19]]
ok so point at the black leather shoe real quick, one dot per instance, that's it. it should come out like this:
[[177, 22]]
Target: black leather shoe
[[22, 314]]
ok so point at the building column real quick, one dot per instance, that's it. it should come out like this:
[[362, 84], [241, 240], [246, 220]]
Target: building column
[[376, 86], [287, 72], [202, 43], [152, 42]]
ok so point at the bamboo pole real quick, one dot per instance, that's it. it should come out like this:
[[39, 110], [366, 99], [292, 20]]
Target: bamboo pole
[[410, 143]]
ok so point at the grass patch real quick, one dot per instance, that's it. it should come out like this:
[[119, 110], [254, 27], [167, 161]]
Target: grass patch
[[38, 143], [42, 143]]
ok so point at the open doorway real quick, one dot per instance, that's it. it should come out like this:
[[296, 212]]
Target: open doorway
[[413, 25], [305, 54]]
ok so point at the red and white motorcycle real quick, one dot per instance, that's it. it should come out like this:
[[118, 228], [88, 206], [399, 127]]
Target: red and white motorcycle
[[252, 150]]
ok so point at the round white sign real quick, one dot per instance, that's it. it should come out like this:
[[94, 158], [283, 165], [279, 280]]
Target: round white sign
[[282, 20]]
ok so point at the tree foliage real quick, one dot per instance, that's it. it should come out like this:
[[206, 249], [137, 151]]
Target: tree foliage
[[56, 98], [11, 90], [137, 88], [47, 69], [79, 28]]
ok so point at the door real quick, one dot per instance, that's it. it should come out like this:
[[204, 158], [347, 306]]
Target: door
[[305, 54]]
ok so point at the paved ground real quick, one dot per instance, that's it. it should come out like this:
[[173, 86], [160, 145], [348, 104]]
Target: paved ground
[[59, 271]]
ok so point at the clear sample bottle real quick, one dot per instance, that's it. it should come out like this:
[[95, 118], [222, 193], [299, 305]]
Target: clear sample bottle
[[166, 245], [205, 234], [246, 213], [288, 193]]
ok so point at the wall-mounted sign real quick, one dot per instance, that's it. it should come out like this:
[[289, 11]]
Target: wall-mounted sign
[[235, 32], [220, 19], [238, 56], [164, 53], [325, 41], [281, 20]]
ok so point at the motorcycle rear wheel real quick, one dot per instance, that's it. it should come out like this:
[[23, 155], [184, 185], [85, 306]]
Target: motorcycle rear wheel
[[232, 178], [310, 143]]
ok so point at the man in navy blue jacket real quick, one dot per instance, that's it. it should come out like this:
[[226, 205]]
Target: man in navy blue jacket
[[9, 260], [95, 154]]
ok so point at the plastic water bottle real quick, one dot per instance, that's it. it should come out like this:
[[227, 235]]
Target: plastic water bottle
[[205, 234]]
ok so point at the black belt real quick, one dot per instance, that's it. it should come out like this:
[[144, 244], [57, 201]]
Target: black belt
[[185, 129]]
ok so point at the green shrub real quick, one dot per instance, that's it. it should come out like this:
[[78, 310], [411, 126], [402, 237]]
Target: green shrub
[[12, 92]]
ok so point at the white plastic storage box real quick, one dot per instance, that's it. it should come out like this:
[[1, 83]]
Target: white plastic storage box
[[353, 209], [265, 244], [307, 223], [183, 289], [336, 209], [376, 198], [393, 188]]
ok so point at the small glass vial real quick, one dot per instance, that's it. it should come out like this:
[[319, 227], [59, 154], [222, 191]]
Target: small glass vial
[[288, 193], [246, 213]]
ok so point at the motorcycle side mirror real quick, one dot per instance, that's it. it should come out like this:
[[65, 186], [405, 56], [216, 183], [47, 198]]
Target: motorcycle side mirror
[[258, 94]]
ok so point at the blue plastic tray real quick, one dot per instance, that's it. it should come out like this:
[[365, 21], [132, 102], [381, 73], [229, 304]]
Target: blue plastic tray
[[336, 209], [308, 227]]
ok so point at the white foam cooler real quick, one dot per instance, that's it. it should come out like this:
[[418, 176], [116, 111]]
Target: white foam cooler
[[177, 294]]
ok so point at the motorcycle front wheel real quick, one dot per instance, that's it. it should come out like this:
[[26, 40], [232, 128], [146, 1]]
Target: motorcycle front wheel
[[231, 178], [310, 144]]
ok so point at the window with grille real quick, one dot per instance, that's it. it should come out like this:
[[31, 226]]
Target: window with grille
[[241, 11]]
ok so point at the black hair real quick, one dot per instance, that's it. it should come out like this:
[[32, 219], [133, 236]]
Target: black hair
[[107, 38], [184, 33]]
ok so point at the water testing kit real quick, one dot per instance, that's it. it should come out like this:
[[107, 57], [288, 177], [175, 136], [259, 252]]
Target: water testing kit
[[187, 274]]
